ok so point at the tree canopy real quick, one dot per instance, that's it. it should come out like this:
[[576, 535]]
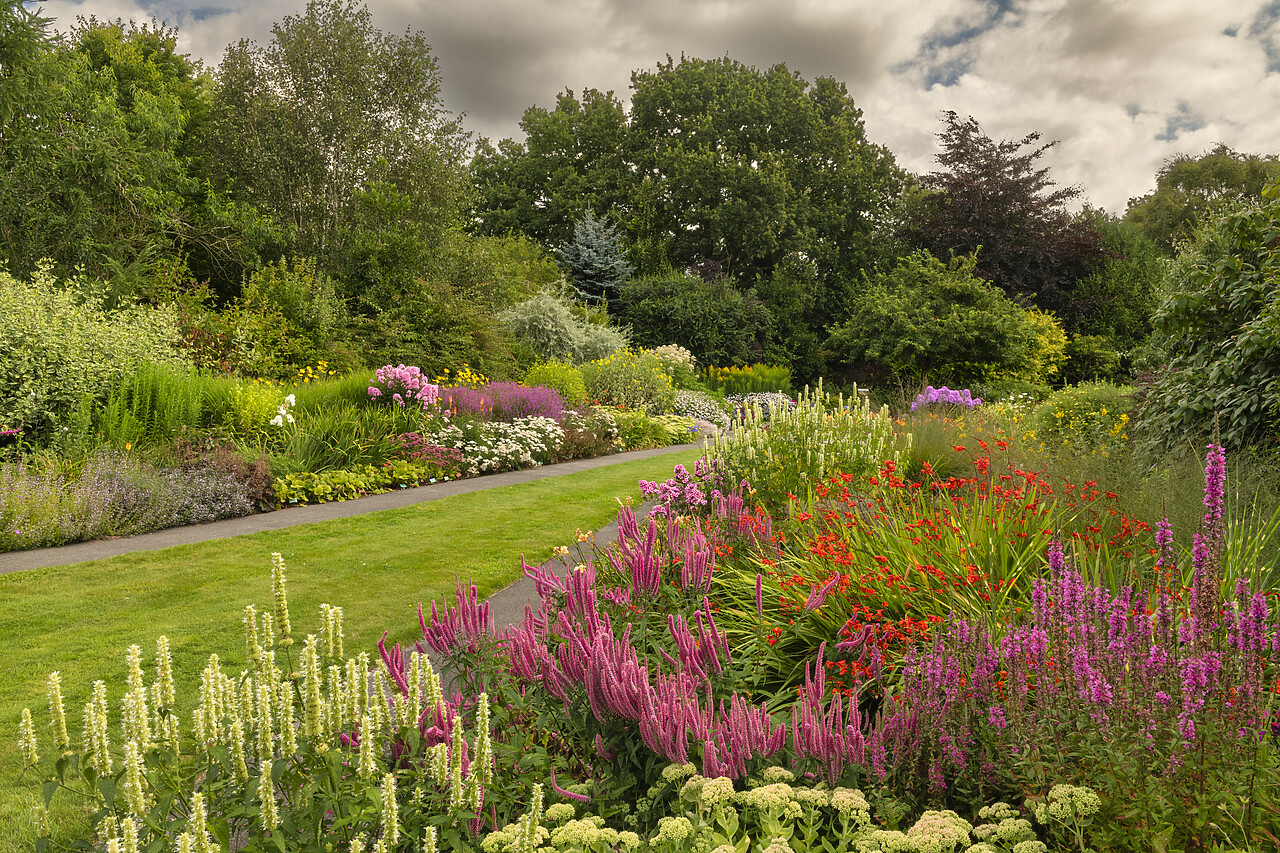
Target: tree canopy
[[996, 200], [1190, 189], [715, 160]]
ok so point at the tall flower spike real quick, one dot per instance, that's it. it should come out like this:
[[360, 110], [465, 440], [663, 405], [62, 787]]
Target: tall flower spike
[[135, 786], [281, 600], [27, 740], [314, 722], [165, 693], [368, 765], [390, 813], [57, 713], [253, 649], [95, 723], [268, 813], [284, 713], [429, 840]]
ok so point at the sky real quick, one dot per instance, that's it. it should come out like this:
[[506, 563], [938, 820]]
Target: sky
[[1121, 85]]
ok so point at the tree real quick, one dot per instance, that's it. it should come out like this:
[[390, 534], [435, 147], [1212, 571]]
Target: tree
[[595, 261], [713, 319], [331, 106], [994, 199], [715, 161], [1220, 330], [1191, 189], [928, 321], [572, 161]]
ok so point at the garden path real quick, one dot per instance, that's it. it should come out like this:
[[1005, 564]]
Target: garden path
[[509, 603]]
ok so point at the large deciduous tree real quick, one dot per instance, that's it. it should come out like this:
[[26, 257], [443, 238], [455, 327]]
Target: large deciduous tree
[[714, 161], [1191, 189], [330, 107], [995, 199]]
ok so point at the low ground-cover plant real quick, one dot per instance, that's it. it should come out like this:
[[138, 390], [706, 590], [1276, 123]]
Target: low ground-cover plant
[[702, 406], [435, 465], [110, 494]]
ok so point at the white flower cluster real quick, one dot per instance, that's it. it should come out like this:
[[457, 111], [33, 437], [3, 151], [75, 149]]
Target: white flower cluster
[[703, 407], [675, 355], [282, 414], [501, 446]]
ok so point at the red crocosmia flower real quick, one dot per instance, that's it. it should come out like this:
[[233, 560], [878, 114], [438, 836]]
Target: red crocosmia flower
[[790, 496], [957, 448], [803, 517], [926, 468]]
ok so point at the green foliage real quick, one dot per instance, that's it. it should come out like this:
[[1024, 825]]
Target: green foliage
[[1220, 328], [1116, 301], [751, 379], [1192, 190], [307, 487], [635, 379], [801, 306], [1084, 419], [712, 319], [715, 160], [157, 403], [59, 345], [252, 406], [564, 378], [333, 107], [995, 201], [931, 321], [595, 260], [1090, 358], [781, 450], [549, 325]]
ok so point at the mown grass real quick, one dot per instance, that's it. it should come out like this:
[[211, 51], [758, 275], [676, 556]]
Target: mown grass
[[79, 619]]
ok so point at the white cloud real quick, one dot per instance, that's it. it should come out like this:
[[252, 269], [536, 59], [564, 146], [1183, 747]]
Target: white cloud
[[1122, 84]]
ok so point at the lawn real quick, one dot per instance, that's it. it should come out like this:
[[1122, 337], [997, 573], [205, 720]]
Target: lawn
[[79, 619]]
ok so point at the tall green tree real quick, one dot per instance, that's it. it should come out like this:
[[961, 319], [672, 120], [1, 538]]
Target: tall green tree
[[330, 107], [715, 161], [996, 199], [1191, 189], [571, 161]]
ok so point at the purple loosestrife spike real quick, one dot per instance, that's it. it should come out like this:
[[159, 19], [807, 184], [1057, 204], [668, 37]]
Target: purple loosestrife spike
[[1164, 543]]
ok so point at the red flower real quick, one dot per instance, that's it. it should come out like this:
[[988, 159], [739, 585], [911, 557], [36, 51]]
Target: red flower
[[957, 448]]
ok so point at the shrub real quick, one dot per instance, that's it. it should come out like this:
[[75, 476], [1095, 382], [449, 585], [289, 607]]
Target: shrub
[[702, 406], [1090, 358], [1089, 418], [564, 378], [714, 320], [745, 380], [1220, 333], [631, 378], [588, 433], [61, 344], [547, 323], [926, 319]]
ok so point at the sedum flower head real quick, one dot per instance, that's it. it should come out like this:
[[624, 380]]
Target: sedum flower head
[[767, 798], [1030, 847], [560, 812], [672, 830], [997, 812], [676, 772]]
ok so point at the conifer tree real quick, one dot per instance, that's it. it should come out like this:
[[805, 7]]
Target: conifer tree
[[595, 261]]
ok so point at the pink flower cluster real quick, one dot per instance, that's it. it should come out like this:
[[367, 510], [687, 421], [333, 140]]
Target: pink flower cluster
[[400, 383]]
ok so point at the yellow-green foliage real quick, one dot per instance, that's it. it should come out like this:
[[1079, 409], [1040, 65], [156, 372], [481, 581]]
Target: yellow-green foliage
[[745, 380], [564, 378], [1089, 418], [60, 344], [632, 378], [253, 405], [1045, 353]]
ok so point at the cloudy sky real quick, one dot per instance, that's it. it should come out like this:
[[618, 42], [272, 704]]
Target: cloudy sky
[[1121, 84]]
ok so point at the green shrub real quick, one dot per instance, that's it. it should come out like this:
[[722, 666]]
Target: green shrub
[[714, 320], [1219, 333], [1090, 358], [60, 344], [564, 378], [1088, 418], [748, 380], [548, 325], [306, 487], [639, 431], [632, 378]]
